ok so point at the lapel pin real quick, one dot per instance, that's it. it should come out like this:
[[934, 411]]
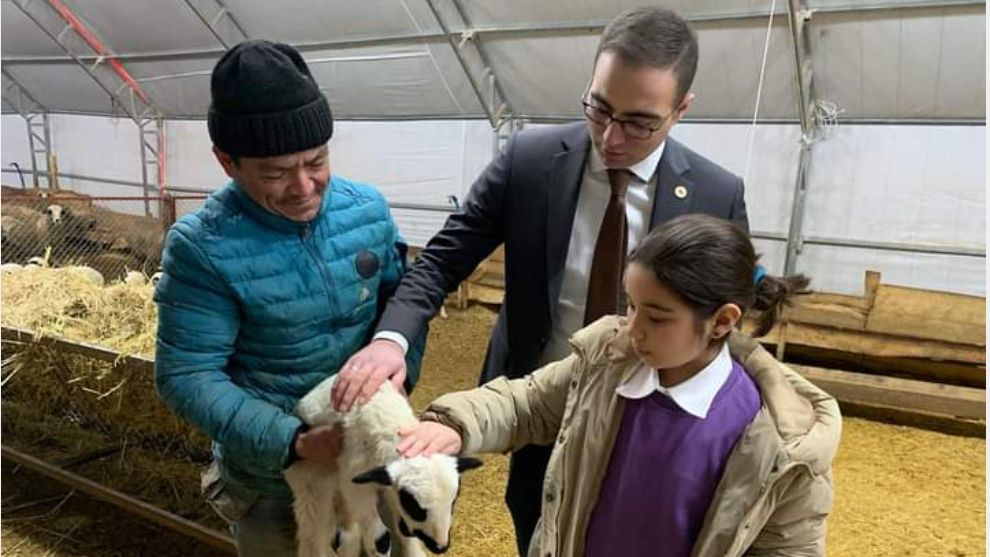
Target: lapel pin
[[680, 192]]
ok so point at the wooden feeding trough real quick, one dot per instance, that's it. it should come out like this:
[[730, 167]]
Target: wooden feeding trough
[[898, 347]]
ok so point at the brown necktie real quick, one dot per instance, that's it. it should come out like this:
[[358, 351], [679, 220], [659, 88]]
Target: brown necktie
[[610, 252]]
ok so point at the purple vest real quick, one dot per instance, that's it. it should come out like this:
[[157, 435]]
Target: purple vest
[[664, 469]]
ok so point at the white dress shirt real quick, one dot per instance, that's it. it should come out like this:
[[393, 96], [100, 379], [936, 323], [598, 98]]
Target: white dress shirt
[[694, 396], [592, 200]]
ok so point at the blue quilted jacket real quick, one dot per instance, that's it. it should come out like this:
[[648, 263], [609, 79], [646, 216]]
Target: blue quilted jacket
[[254, 310]]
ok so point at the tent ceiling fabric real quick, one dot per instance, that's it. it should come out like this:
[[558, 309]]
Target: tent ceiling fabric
[[311, 21], [65, 87], [897, 63], [876, 66], [143, 26]]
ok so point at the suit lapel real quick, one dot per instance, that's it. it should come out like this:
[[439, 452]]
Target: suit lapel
[[674, 191], [566, 170]]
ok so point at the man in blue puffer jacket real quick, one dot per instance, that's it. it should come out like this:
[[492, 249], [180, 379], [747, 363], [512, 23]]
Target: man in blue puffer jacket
[[269, 288]]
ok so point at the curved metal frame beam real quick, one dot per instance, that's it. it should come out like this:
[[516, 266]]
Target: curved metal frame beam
[[579, 28], [57, 21], [222, 23]]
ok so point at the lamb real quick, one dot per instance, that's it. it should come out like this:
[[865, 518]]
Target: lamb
[[135, 277], [54, 213], [36, 263], [337, 510], [88, 273], [68, 230], [10, 268]]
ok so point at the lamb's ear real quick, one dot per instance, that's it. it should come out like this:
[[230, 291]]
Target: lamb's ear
[[377, 475], [465, 463]]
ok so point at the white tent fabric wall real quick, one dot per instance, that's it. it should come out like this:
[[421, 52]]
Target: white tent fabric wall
[[97, 146], [14, 149], [920, 184], [418, 163], [770, 185], [910, 184], [93, 146]]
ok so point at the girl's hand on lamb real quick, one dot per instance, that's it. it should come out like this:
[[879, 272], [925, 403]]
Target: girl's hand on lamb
[[427, 438], [321, 444]]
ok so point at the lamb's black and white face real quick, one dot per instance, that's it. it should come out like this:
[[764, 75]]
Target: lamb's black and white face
[[426, 489], [54, 213]]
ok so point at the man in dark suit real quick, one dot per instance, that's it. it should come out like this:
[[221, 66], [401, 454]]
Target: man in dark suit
[[568, 202]]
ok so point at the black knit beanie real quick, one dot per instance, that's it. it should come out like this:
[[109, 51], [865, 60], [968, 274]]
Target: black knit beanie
[[264, 102]]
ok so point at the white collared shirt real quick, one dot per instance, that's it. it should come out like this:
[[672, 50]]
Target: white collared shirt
[[592, 201], [694, 396]]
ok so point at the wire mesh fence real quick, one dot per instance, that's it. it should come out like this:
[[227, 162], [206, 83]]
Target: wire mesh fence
[[113, 235]]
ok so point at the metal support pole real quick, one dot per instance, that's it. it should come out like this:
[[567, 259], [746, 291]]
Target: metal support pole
[[38, 126], [152, 143], [500, 101], [497, 109], [798, 17]]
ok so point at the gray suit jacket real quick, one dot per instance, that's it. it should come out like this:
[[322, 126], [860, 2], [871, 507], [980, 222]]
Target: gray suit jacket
[[527, 198]]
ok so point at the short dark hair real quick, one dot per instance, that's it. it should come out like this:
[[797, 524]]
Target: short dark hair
[[655, 37], [709, 262]]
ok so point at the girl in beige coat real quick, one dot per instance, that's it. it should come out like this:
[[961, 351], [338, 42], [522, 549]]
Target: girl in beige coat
[[673, 434]]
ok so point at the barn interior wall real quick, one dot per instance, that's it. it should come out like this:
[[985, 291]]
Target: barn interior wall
[[920, 184]]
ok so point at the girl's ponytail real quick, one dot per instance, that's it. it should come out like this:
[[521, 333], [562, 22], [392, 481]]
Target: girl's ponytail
[[772, 294]]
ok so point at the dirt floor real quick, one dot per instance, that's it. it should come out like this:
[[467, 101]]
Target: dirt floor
[[899, 491]]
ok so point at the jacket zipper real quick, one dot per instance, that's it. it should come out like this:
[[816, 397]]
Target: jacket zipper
[[304, 237]]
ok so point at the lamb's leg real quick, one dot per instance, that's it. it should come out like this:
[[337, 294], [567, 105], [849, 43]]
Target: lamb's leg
[[375, 538], [348, 542], [313, 487], [359, 514]]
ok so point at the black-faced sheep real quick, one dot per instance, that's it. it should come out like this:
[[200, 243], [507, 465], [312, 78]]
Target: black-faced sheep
[[339, 508]]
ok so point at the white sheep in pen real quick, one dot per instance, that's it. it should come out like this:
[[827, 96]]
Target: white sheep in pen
[[337, 511]]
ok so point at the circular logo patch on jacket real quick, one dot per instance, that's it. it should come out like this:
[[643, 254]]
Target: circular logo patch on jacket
[[367, 263]]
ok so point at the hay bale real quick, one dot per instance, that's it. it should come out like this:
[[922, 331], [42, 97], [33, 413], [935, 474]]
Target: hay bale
[[51, 302], [117, 400]]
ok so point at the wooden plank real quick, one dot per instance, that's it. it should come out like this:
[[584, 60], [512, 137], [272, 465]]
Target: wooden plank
[[952, 373], [879, 345], [926, 314], [819, 312], [485, 294], [902, 394], [14, 336], [124, 501]]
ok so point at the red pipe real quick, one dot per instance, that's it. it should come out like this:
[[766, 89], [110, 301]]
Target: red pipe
[[98, 47], [80, 28]]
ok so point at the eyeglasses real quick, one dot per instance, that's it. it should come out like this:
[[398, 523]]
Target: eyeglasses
[[637, 130]]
